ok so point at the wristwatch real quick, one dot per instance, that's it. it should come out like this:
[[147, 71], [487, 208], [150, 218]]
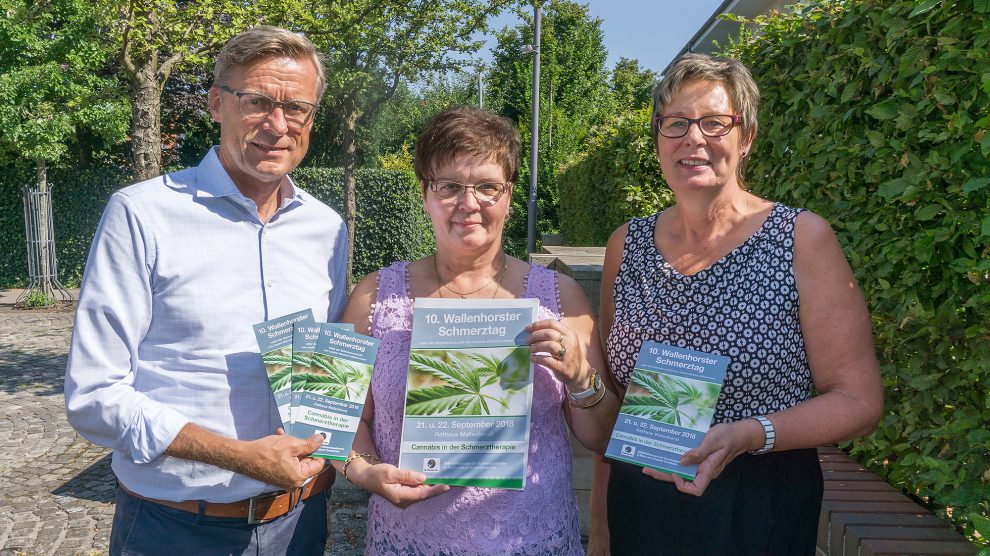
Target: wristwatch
[[594, 386], [768, 433]]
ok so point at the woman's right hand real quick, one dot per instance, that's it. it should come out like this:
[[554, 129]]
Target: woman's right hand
[[401, 487]]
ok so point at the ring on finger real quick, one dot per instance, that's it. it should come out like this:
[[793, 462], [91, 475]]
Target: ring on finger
[[560, 340], [560, 354]]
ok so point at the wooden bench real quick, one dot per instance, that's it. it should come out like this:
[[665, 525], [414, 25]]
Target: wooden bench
[[862, 515]]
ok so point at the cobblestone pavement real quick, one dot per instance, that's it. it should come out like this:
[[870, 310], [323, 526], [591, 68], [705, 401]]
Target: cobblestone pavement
[[56, 489]]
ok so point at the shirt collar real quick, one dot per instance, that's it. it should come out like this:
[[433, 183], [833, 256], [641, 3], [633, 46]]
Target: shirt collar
[[212, 180]]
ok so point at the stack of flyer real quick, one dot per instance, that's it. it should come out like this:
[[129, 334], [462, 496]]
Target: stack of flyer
[[469, 392], [319, 374], [668, 407]]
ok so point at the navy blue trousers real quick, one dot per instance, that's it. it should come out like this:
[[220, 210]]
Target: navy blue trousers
[[141, 527]]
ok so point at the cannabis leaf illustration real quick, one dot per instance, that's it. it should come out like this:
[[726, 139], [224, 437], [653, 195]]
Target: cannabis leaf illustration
[[276, 363], [670, 400], [280, 379], [338, 379], [460, 393]]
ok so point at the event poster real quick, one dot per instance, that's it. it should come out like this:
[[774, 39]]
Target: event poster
[[304, 338], [275, 342], [668, 407], [469, 392], [333, 391]]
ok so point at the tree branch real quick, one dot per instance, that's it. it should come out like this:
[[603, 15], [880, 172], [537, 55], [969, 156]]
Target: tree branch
[[125, 53]]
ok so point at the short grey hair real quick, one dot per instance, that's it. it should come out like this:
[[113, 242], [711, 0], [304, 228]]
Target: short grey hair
[[732, 74], [265, 41]]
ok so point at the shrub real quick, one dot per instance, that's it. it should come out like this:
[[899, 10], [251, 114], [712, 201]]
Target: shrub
[[391, 223], [78, 198], [615, 178], [875, 115]]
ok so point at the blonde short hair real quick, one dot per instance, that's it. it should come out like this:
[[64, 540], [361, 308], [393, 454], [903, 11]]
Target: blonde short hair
[[265, 41], [732, 74]]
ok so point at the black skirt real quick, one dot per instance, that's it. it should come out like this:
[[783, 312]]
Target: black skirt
[[766, 504]]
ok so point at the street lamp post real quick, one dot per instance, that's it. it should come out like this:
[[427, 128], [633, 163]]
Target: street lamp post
[[534, 131]]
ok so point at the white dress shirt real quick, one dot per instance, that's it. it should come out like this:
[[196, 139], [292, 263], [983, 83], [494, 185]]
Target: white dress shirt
[[180, 269]]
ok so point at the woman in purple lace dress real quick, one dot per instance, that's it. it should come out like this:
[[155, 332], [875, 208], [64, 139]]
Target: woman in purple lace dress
[[466, 161]]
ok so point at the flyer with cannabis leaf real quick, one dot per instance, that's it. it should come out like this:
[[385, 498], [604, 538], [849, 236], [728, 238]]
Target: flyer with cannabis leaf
[[668, 407], [304, 337], [275, 342], [333, 390], [469, 392]]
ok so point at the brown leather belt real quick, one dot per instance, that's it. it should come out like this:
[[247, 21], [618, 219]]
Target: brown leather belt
[[257, 509]]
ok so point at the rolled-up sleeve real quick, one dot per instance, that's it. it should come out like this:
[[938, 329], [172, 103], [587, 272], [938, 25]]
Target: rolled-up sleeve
[[114, 313]]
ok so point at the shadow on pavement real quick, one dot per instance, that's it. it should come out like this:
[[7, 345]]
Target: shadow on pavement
[[40, 372], [95, 483]]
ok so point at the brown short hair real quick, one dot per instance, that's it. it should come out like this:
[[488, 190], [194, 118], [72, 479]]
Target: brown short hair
[[265, 41], [743, 92], [467, 130]]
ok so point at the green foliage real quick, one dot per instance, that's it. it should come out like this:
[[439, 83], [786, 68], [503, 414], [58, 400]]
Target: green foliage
[[574, 97], [391, 223], [53, 81], [632, 86], [616, 177], [78, 198], [37, 299], [875, 115]]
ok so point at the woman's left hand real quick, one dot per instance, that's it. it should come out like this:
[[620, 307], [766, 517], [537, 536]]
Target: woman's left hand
[[722, 444], [559, 348]]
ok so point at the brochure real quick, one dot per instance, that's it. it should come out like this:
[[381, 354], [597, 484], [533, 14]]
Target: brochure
[[275, 341], [332, 392], [304, 338], [668, 407], [469, 392]]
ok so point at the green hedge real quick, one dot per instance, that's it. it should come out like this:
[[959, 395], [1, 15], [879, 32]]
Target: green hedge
[[875, 115], [616, 177], [78, 198], [391, 223]]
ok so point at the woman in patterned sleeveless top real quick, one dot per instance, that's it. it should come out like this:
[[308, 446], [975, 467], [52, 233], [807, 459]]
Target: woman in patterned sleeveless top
[[467, 160], [726, 272]]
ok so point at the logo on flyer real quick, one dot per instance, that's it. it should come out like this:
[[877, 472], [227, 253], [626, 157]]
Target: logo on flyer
[[431, 465], [628, 450]]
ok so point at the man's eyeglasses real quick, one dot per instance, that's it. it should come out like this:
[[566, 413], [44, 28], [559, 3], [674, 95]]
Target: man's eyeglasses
[[716, 125], [297, 113], [489, 192]]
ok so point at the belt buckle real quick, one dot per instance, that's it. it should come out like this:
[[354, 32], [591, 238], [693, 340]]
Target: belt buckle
[[253, 507]]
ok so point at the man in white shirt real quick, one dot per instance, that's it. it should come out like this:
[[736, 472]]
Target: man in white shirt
[[164, 367]]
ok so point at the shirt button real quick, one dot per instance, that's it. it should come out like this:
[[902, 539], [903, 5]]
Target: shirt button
[[268, 283]]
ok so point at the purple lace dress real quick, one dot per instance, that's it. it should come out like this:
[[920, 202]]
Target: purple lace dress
[[541, 519]]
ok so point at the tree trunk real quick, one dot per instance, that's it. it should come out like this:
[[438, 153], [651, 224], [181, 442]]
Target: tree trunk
[[146, 132], [351, 117], [44, 231]]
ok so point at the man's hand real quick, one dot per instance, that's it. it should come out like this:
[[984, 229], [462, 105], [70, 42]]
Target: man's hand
[[278, 460], [282, 460]]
